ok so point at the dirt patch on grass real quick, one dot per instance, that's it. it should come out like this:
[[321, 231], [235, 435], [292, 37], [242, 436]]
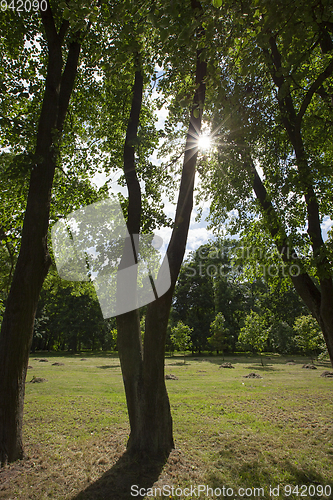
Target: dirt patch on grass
[[309, 366], [327, 374], [226, 365], [252, 375], [43, 360], [37, 380], [58, 364], [9, 473], [170, 376]]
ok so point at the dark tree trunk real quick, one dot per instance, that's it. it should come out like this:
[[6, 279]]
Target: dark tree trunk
[[33, 260], [128, 324]]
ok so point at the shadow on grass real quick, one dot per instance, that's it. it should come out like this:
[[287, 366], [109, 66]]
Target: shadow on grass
[[108, 366], [77, 355], [265, 368], [116, 483]]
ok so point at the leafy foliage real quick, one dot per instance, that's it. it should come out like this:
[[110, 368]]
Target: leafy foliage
[[254, 333], [181, 337], [309, 338], [69, 318], [219, 339]]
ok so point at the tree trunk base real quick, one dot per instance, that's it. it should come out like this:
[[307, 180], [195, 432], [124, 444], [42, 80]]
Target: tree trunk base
[[9, 454], [152, 436]]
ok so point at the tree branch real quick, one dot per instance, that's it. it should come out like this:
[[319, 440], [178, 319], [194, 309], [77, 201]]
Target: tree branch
[[292, 123], [49, 26], [67, 82], [303, 284], [177, 245], [286, 104], [313, 88], [63, 30], [133, 185]]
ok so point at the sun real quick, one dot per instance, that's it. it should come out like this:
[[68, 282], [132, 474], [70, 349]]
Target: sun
[[205, 142]]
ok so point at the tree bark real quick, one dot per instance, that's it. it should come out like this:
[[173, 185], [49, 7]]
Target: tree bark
[[143, 371], [34, 259], [128, 324]]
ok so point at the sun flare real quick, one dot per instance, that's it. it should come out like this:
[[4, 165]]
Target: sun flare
[[204, 142]]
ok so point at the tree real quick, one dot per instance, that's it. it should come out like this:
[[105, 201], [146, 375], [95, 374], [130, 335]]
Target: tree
[[281, 337], [143, 371], [69, 317], [193, 301], [57, 39], [209, 283], [220, 337], [308, 337], [254, 333], [181, 337], [274, 108], [223, 276]]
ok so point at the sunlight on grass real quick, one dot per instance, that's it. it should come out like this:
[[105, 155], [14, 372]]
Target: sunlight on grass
[[229, 430]]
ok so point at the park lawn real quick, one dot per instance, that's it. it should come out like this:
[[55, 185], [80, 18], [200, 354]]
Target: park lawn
[[229, 430]]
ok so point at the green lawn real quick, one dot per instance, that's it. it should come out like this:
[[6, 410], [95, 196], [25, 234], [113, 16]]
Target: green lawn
[[229, 430]]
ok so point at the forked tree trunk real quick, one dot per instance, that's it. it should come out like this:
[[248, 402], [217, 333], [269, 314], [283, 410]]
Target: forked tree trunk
[[33, 260], [143, 372], [153, 435]]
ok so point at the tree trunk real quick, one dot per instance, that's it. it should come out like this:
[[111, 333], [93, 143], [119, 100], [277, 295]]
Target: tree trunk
[[151, 435], [34, 259], [143, 372], [319, 302]]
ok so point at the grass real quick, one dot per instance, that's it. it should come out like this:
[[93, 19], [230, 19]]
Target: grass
[[229, 430]]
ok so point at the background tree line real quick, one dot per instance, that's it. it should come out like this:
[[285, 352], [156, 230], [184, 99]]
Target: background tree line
[[216, 284]]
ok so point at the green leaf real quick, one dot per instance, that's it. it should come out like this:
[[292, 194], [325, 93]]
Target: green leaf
[[164, 35], [66, 14], [217, 3], [196, 113]]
